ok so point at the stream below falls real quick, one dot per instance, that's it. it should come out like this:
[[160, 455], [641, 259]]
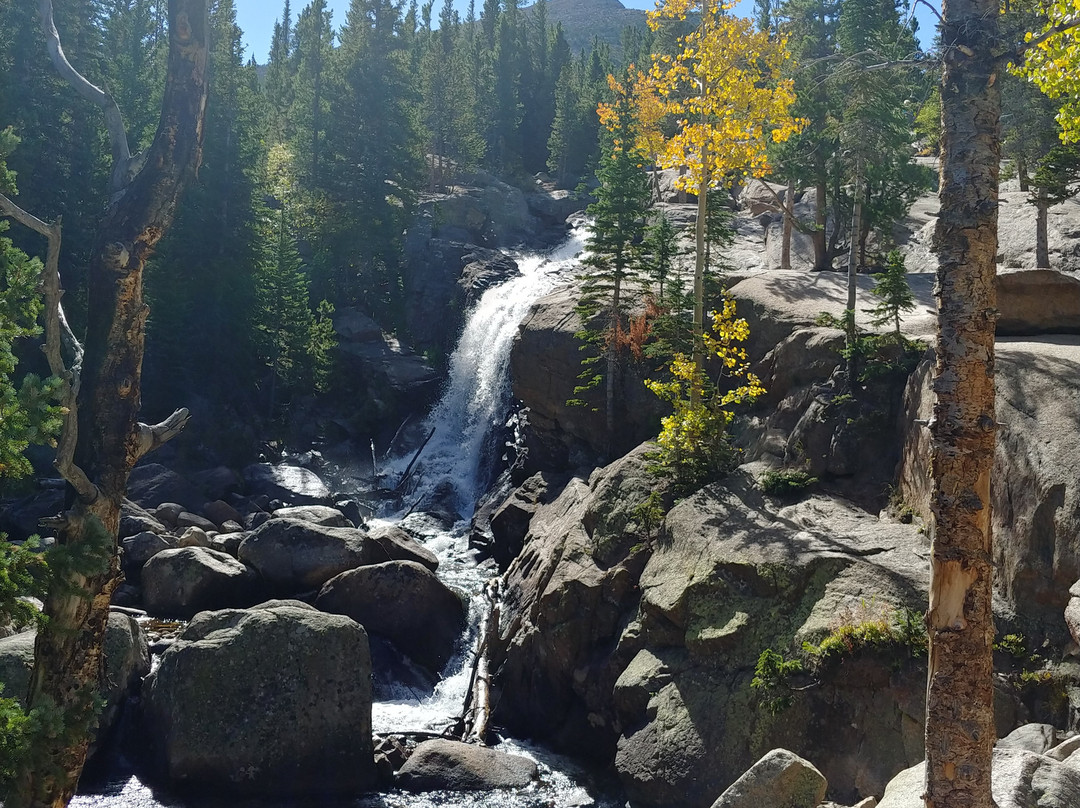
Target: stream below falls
[[456, 468]]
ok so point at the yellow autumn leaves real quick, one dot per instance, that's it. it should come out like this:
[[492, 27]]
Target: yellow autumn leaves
[[1054, 63], [726, 90]]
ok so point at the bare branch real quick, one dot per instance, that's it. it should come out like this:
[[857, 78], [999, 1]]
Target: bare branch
[[57, 335], [796, 222], [114, 121], [153, 437]]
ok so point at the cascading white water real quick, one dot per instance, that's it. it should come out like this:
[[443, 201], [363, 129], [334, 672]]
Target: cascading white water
[[476, 400], [472, 409]]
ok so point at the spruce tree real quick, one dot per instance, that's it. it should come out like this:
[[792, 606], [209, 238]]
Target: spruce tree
[[622, 201], [894, 294]]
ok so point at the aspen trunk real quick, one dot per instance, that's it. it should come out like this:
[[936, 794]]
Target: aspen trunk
[[959, 705], [1042, 245], [789, 215], [699, 288], [68, 650]]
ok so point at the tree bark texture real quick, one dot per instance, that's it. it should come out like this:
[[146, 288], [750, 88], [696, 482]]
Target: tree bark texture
[[68, 651], [959, 708], [699, 286], [789, 217], [1042, 242], [821, 213]]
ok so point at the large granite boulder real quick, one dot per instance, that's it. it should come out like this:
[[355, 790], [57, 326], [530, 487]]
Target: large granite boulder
[[545, 365], [150, 484], [780, 778], [1036, 494], [404, 602], [316, 514], [1038, 301], [396, 544], [735, 574], [566, 599], [1020, 779], [445, 765], [292, 555], [182, 581], [273, 701]]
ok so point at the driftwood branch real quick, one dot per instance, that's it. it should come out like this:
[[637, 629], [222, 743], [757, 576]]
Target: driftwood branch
[[114, 121], [156, 436], [58, 336], [478, 703], [409, 468]]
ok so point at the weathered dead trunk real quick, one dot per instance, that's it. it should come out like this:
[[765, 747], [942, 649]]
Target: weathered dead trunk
[[959, 706], [68, 652], [1042, 243]]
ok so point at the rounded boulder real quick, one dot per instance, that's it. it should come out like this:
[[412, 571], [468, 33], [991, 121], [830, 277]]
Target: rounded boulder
[[186, 580], [404, 602], [273, 701]]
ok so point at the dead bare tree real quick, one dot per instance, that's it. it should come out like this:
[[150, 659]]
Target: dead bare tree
[[102, 437]]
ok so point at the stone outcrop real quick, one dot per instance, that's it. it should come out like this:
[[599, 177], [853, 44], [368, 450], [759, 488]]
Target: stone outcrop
[[733, 575], [273, 701], [444, 765], [1036, 497], [544, 367], [618, 641], [403, 602], [567, 598]]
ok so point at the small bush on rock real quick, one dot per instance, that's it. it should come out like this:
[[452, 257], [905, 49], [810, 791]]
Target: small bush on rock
[[785, 482]]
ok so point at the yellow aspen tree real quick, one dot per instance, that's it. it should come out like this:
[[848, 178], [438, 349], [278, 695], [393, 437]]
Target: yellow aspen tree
[[1052, 62], [723, 86]]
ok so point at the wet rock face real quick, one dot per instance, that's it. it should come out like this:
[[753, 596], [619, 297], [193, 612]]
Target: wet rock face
[[274, 701]]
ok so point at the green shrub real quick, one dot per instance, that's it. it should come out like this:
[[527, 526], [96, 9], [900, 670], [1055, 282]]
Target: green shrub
[[785, 482], [770, 678]]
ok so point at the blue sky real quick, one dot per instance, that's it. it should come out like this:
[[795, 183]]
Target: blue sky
[[256, 18]]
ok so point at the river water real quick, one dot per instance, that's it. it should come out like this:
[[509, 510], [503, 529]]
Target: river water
[[456, 467]]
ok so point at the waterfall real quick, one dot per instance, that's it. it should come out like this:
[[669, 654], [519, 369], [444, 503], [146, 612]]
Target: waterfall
[[477, 398]]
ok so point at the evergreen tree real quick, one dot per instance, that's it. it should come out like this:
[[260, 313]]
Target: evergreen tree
[[201, 283], [280, 72], [893, 292], [376, 162], [618, 224], [312, 48]]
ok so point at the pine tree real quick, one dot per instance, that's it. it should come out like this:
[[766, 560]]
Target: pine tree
[[894, 293], [618, 224], [201, 283]]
